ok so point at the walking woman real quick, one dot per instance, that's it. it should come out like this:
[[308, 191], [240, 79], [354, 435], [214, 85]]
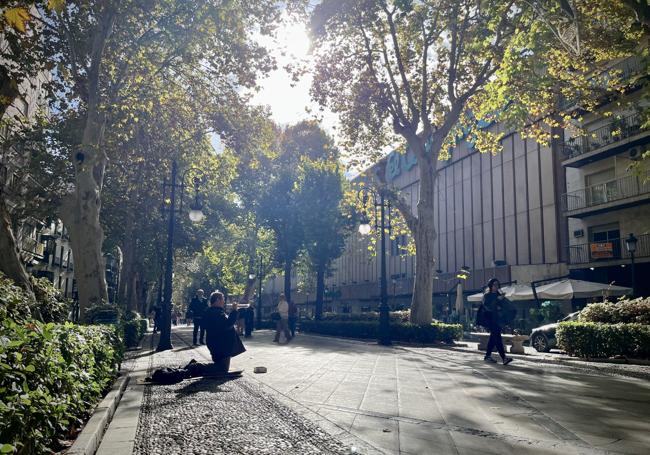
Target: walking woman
[[492, 311]]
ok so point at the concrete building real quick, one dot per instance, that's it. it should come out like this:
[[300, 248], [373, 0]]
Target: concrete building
[[605, 198], [497, 216], [526, 214]]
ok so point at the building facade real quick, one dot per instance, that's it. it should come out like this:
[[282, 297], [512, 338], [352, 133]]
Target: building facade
[[607, 198]]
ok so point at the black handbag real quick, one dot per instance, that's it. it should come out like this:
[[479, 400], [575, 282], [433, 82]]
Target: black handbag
[[275, 316]]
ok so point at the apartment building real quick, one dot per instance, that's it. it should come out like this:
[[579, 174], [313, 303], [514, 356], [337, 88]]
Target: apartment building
[[606, 197]]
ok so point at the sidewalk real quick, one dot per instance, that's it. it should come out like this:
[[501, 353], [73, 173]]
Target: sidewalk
[[330, 395], [210, 416]]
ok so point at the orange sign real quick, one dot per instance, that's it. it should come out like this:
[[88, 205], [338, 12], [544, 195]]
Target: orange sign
[[604, 250]]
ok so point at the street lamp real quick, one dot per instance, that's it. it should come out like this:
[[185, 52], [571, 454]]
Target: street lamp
[[379, 202], [196, 215], [259, 295], [630, 243]]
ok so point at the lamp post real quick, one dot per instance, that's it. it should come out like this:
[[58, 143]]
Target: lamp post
[[630, 243], [196, 215], [259, 295], [379, 202]]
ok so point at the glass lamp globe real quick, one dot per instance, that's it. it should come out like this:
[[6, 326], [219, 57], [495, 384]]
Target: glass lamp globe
[[364, 229], [196, 215]]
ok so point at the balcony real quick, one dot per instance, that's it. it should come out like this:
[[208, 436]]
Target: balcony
[[605, 141], [610, 252], [629, 71], [615, 194]]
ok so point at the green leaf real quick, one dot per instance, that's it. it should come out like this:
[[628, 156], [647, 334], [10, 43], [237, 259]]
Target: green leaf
[[30, 368], [7, 448]]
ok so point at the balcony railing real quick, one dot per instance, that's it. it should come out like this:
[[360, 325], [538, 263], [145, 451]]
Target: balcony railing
[[624, 71], [604, 193], [609, 250], [615, 131]]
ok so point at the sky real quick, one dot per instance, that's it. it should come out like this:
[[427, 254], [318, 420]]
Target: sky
[[288, 100]]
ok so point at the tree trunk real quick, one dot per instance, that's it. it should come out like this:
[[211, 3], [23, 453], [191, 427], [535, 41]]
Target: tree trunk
[[424, 236], [320, 291], [10, 263], [287, 280], [80, 209]]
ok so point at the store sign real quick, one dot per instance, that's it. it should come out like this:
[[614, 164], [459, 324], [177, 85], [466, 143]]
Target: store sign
[[603, 250], [398, 163]]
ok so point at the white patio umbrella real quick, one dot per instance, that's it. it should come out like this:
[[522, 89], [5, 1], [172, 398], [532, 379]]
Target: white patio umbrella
[[512, 292], [569, 289]]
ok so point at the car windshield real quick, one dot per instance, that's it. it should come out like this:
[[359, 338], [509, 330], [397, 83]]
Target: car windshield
[[571, 317]]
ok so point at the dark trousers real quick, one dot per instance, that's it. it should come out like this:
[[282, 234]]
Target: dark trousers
[[198, 329], [495, 341], [248, 328], [221, 364], [292, 325], [282, 326]]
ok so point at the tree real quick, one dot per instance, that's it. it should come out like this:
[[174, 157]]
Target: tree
[[325, 220], [408, 70], [21, 73], [108, 50]]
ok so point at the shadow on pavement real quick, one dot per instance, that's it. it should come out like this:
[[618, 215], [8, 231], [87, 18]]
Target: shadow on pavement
[[204, 384]]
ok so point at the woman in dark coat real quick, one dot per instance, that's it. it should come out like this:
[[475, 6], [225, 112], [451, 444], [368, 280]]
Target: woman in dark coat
[[222, 339], [494, 305]]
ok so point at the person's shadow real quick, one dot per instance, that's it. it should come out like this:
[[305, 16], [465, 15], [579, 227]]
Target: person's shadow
[[213, 384]]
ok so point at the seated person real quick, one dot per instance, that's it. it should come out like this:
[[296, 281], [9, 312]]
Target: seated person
[[221, 337]]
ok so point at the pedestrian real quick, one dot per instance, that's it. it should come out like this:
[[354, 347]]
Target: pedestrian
[[195, 311], [490, 316], [250, 321], [222, 339], [241, 320], [283, 321], [155, 314], [293, 318]]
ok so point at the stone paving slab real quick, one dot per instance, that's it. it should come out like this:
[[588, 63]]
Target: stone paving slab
[[216, 416], [428, 400]]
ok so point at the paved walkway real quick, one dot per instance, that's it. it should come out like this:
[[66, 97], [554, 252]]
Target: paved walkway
[[392, 400]]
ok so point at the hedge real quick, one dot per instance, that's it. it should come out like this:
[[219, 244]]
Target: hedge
[[629, 311], [436, 332], [597, 340], [134, 330], [51, 375]]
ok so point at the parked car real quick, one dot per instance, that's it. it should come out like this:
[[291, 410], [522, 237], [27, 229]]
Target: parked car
[[543, 338]]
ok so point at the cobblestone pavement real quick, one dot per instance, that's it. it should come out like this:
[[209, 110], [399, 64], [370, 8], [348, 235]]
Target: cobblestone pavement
[[210, 416]]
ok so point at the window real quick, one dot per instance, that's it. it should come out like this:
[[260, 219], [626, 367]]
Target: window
[[601, 187], [605, 241]]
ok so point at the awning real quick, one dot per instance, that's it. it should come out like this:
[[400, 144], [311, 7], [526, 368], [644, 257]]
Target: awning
[[568, 289], [512, 292]]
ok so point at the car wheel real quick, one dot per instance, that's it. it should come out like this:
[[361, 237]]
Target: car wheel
[[540, 343]]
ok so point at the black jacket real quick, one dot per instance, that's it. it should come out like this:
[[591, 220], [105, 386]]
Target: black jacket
[[197, 307], [221, 337], [501, 311]]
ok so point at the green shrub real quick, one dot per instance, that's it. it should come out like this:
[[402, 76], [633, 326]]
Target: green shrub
[[628, 311], [49, 302], [547, 312], [104, 313], [395, 316], [132, 333], [594, 339], [144, 325], [436, 332], [51, 375]]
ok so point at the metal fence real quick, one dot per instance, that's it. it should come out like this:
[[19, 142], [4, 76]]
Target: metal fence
[[614, 131], [607, 250], [603, 193]]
